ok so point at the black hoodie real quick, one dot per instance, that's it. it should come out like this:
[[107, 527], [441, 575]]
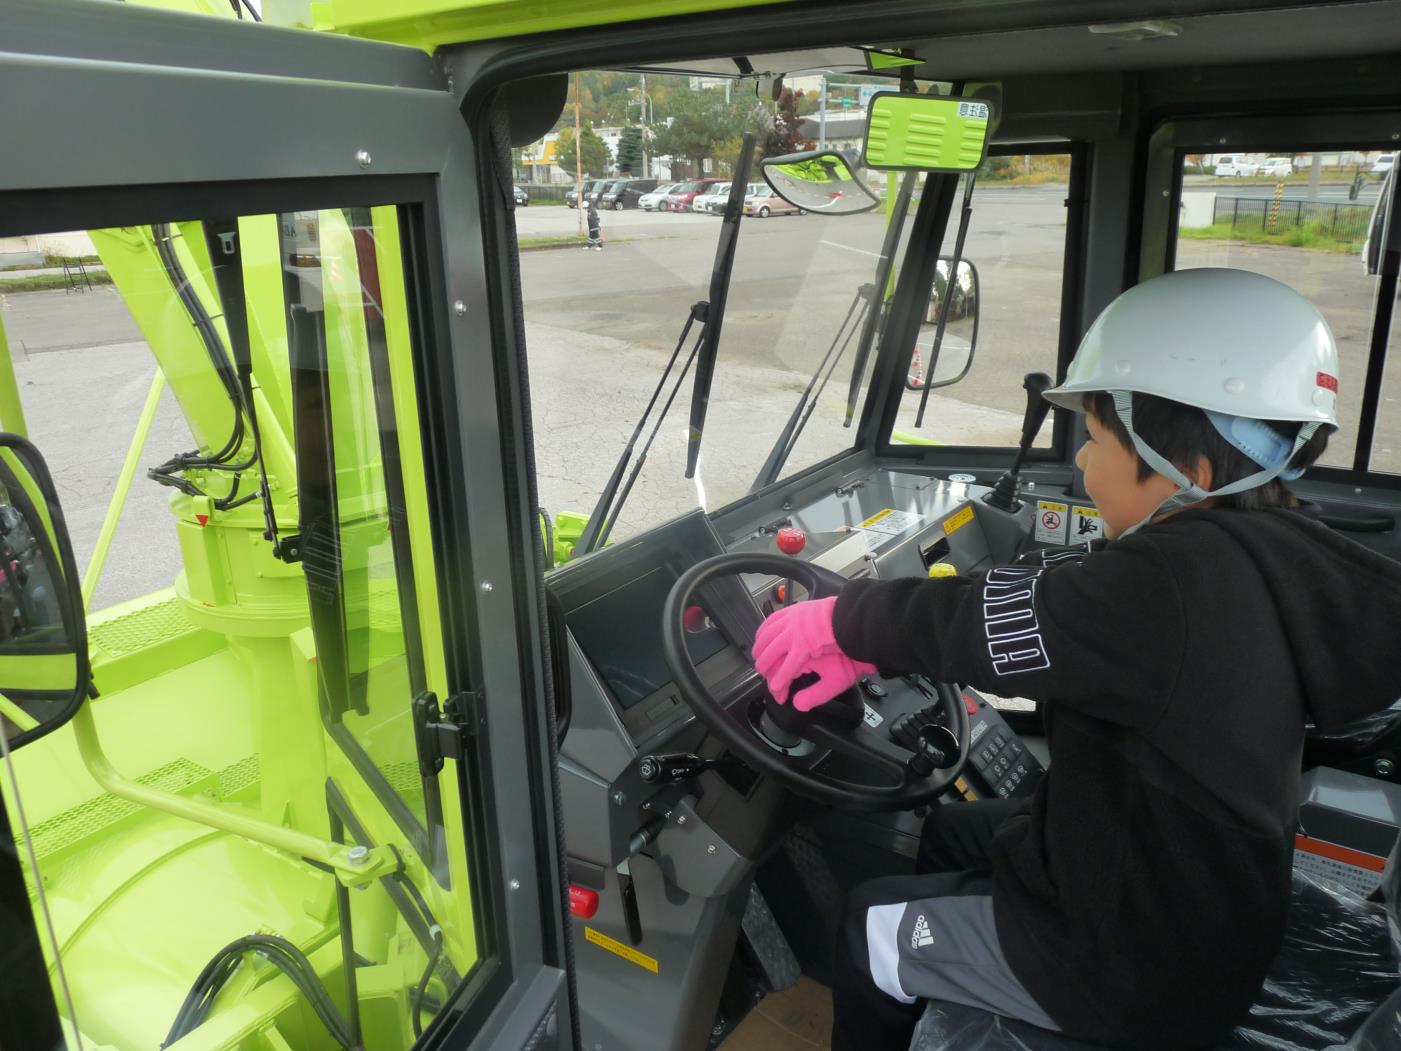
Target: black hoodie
[[1142, 896]]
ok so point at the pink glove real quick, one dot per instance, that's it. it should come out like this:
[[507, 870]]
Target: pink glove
[[798, 640]]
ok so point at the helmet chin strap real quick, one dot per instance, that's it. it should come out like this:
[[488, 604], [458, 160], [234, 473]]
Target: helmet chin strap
[[1188, 492]]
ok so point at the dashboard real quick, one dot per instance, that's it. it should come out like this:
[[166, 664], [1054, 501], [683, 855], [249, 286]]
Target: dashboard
[[871, 522]]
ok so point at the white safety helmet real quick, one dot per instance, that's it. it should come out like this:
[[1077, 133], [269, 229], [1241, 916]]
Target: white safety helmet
[[1238, 345]]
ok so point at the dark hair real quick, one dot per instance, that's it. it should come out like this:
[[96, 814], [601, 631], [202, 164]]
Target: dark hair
[[1182, 434]]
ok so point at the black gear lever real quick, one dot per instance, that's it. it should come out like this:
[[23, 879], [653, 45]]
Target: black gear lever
[[1004, 494]]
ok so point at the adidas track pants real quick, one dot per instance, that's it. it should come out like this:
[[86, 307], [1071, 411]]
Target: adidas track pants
[[906, 939]]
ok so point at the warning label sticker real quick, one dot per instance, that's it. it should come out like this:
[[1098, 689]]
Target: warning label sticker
[[1085, 524], [617, 948], [884, 526], [1052, 521], [871, 717], [957, 521]]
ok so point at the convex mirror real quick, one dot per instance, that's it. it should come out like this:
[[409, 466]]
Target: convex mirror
[[820, 181], [43, 639], [953, 357], [931, 133]]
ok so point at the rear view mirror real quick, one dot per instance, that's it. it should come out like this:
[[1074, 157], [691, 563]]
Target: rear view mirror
[[949, 362], [820, 181], [43, 639], [932, 133]]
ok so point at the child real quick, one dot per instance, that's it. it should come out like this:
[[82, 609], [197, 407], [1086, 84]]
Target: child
[[1138, 899], [595, 234]]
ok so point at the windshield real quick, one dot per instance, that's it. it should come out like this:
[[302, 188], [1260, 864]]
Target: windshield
[[602, 325]]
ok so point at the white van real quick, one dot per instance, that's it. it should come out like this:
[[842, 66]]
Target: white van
[[1235, 164]]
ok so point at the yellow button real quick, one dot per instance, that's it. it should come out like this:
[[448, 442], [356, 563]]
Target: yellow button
[[943, 569]]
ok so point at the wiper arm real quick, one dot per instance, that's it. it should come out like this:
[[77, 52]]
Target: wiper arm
[[605, 514], [947, 301], [719, 291], [802, 412], [883, 271]]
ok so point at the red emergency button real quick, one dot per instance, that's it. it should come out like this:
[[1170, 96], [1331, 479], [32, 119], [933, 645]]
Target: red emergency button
[[970, 704], [694, 619], [791, 541], [582, 901]]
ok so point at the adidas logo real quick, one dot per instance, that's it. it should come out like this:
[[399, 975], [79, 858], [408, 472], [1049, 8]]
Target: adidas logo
[[921, 936]]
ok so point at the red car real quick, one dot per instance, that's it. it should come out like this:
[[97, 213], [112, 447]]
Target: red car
[[679, 200]]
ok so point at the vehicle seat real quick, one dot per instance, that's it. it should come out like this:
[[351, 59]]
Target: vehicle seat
[[1335, 980]]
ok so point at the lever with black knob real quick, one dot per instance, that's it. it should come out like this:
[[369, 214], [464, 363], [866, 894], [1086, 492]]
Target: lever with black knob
[[1004, 494]]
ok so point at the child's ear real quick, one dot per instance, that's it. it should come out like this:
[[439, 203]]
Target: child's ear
[[1202, 474]]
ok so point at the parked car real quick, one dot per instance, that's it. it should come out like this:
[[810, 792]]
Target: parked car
[[763, 202], [522, 198], [1383, 164], [1235, 164], [715, 202], [1277, 167], [591, 189], [680, 199], [712, 196], [626, 193], [655, 200]]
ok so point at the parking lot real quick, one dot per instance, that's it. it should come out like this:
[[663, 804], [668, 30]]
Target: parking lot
[[600, 327]]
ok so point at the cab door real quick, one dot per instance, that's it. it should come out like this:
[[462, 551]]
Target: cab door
[[337, 179]]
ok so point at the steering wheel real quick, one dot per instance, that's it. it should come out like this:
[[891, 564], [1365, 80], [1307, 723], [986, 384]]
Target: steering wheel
[[779, 740]]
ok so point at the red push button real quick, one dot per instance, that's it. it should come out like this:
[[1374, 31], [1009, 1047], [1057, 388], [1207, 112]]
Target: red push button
[[791, 541], [970, 704], [582, 901]]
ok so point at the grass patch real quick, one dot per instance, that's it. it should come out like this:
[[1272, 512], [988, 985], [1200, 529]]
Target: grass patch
[[1308, 235], [48, 282]]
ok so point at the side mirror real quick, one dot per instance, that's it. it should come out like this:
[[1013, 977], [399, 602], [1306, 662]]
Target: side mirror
[[43, 635], [819, 181], [950, 362]]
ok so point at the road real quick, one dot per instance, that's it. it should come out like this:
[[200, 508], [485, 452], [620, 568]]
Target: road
[[600, 327]]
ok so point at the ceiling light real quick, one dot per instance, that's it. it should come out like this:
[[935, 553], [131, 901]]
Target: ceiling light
[[1157, 29]]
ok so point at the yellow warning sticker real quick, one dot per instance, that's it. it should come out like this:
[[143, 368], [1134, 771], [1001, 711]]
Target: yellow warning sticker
[[955, 522], [877, 517], [617, 948]]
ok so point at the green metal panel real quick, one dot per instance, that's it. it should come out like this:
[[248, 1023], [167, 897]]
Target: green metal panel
[[926, 133], [429, 24]]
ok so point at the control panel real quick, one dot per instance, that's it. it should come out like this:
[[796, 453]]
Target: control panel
[[999, 764]]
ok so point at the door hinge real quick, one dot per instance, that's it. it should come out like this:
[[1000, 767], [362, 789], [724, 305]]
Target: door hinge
[[439, 733]]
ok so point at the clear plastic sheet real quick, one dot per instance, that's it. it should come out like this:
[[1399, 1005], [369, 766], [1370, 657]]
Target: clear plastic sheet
[[1361, 734], [1335, 968]]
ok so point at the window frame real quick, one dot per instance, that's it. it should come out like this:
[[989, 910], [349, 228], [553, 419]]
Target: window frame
[[1068, 329]]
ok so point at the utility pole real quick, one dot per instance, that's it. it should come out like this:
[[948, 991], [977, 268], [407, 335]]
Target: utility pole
[[578, 160], [646, 172]]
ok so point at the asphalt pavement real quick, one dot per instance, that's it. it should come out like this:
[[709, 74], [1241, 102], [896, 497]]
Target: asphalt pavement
[[600, 329]]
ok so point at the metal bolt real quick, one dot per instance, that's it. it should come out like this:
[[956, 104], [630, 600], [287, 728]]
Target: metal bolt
[[619, 797], [459, 308], [710, 849], [363, 158], [358, 854], [681, 820], [1395, 135], [487, 587], [1384, 767], [1167, 193], [1222, 140], [515, 884]]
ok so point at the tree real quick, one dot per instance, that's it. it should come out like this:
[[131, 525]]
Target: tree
[[781, 134], [596, 155], [630, 152], [698, 123]]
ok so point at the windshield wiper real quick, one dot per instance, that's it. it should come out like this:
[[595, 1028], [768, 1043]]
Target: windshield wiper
[[792, 430], [719, 291]]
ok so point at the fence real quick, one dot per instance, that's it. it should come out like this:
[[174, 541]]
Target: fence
[[1341, 221]]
